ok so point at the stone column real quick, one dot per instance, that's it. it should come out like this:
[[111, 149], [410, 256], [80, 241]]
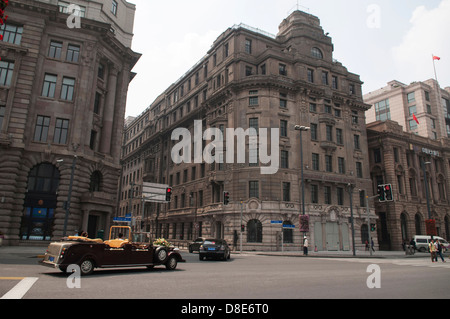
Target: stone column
[[108, 114]]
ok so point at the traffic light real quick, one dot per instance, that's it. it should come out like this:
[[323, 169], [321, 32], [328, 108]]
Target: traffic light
[[388, 193], [168, 193], [226, 198], [372, 227], [242, 227], [381, 193]]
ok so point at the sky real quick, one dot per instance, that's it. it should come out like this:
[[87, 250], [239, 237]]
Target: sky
[[381, 40]]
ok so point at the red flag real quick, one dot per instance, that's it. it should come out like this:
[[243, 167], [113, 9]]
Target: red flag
[[415, 118], [436, 58]]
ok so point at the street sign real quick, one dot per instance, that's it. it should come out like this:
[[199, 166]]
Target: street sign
[[289, 226], [153, 192], [279, 222]]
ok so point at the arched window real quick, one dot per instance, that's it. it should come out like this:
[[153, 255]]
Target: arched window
[[288, 237], [96, 180], [43, 178], [254, 231], [404, 226], [316, 53], [418, 223]]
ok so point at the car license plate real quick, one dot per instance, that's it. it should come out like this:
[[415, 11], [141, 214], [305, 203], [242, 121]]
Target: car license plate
[[51, 258], [211, 248]]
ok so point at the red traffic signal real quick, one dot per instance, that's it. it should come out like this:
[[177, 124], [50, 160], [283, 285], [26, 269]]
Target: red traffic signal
[[168, 193], [226, 198]]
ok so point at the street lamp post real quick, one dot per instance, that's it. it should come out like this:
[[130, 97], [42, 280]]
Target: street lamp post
[[302, 129], [350, 192]]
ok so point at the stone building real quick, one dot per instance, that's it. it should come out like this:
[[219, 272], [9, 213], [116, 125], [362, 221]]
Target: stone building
[[62, 103], [252, 79], [402, 159], [426, 100]]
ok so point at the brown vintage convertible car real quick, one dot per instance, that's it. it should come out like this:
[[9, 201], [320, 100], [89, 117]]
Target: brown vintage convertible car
[[123, 249]]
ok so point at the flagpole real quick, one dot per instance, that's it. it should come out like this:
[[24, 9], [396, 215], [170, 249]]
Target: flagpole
[[434, 66]]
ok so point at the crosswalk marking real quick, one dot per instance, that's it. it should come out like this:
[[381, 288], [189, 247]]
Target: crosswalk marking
[[21, 288]]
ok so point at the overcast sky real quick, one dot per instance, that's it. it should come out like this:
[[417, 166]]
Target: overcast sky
[[381, 40]]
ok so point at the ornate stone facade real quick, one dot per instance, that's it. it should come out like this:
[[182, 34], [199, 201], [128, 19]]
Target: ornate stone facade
[[400, 158], [250, 78], [62, 110]]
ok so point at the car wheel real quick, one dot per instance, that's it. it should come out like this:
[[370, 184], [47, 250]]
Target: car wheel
[[161, 254], [171, 264], [87, 267]]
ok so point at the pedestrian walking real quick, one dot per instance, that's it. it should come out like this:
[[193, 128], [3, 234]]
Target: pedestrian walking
[[432, 249], [439, 250], [367, 245], [305, 246]]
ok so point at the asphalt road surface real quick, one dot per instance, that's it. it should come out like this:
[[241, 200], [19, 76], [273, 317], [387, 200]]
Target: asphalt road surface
[[246, 276]]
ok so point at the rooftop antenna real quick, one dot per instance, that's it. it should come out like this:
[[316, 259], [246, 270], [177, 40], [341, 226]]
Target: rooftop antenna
[[297, 8]]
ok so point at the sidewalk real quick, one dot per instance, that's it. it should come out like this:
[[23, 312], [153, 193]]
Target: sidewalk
[[10, 252]]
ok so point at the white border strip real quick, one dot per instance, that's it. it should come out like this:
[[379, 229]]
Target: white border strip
[[20, 289]]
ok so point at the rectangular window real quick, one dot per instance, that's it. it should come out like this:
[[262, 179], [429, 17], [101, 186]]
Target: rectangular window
[[340, 196], [315, 162], [411, 97], [93, 140], [283, 100], [324, 78], [248, 70], [41, 130], [329, 132], [354, 117], [49, 85], [314, 135], [284, 159], [253, 189], [356, 142], [339, 137], [6, 72], [334, 82], [329, 163], [282, 69], [114, 7], [286, 192], [314, 194], [359, 170], [67, 89], [283, 128], [55, 50], [341, 165], [248, 46], [11, 33], [310, 76], [253, 99], [412, 125], [61, 131], [313, 107], [327, 194], [73, 53]]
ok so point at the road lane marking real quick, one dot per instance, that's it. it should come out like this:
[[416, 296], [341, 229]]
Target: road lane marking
[[21, 288]]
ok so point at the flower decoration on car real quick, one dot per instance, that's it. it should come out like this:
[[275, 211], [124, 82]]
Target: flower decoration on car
[[161, 242]]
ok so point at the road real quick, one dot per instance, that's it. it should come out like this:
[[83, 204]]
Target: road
[[246, 276]]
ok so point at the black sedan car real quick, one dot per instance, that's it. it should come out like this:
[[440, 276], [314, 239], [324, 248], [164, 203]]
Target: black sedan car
[[215, 248], [195, 245]]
